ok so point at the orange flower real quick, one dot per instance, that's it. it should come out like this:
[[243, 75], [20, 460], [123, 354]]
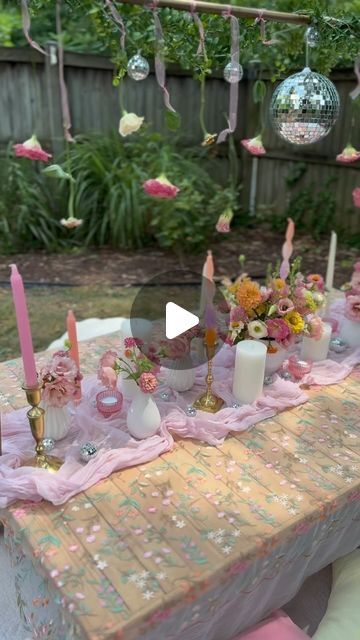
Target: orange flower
[[127, 353], [248, 295]]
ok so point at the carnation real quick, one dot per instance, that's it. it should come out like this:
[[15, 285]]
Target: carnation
[[131, 343], [148, 383]]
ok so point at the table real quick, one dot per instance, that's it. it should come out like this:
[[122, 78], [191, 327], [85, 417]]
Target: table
[[200, 543]]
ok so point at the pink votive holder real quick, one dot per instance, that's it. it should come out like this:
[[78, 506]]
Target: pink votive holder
[[298, 367], [109, 402]]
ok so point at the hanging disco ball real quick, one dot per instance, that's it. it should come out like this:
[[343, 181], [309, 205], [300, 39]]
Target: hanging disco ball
[[312, 37], [233, 72], [304, 107], [138, 67]]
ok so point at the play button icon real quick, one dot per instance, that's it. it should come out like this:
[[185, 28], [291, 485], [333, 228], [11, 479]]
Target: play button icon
[[178, 320]]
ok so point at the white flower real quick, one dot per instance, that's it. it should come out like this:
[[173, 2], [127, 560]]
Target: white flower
[[147, 595], [71, 222], [257, 329], [87, 505], [75, 508], [129, 123], [180, 524], [102, 565], [162, 575], [226, 550]]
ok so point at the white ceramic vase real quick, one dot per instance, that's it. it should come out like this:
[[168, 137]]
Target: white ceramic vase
[[181, 377], [128, 388], [143, 417], [350, 332], [57, 421], [274, 359]]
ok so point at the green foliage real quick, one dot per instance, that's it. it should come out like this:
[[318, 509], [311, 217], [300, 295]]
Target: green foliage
[[108, 196], [313, 209]]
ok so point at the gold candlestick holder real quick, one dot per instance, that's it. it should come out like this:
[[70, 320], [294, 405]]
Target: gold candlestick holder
[[209, 401], [37, 425]]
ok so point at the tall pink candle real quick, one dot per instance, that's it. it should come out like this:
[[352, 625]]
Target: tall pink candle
[[23, 325], [72, 335]]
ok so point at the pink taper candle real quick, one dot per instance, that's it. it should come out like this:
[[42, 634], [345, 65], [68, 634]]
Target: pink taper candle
[[23, 325], [72, 335], [207, 284]]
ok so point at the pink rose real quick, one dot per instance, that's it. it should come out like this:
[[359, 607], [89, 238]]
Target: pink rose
[[63, 366], [108, 377], [160, 187], [108, 359], [352, 308], [315, 327], [254, 146], [32, 150], [59, 392], [284, 306], [278, 329], [356, 196]]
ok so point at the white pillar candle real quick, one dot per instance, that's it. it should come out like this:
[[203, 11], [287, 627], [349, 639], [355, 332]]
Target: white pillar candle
[[329, 281], [317, 350], [249, 370]]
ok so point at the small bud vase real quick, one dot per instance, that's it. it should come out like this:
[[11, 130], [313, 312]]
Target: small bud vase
[[143, 417], [181, 376], [57, 421], [350, 332]]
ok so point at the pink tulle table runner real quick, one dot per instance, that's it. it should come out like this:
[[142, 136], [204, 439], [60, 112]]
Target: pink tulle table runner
[[118, 450]]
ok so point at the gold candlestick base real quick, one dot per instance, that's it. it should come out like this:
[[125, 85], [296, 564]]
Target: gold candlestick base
[[209, 401], [37, 424]]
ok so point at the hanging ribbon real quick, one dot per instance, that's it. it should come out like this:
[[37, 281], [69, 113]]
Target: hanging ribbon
[[26, 24], [201, 48], [262, 23], [234, 87], [287, 249], [356, 92], [118, 20], [65, 110], [159, 58]]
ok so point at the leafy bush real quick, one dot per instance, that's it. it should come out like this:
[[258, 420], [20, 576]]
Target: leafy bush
[[109, 198]]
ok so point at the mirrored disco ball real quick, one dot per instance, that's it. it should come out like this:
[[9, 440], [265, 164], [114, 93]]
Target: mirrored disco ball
[[304, 107], [138, 67], [233, 72], [312, 37]]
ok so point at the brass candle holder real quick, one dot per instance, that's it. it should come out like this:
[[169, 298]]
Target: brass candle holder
[[37, 425], [209, 401]]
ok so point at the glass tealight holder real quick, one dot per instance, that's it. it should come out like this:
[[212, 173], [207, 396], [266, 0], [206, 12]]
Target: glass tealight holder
[[298, 367], [109, 402]]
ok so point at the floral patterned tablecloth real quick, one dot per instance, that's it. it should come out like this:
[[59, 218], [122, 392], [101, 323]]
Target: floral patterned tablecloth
[[200, 543]]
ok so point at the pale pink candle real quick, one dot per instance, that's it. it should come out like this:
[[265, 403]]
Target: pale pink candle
[[207, 285], [23, 325], [72, 336]]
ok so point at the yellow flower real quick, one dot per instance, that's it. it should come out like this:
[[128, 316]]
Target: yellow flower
[[310, 302], [279, 284], [294, 321], [261, 309], [248, 295]]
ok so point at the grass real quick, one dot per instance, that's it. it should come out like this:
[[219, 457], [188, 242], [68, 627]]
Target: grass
[[48, 307]]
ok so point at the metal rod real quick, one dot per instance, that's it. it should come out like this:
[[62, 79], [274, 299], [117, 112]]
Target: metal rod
[[214, 7]]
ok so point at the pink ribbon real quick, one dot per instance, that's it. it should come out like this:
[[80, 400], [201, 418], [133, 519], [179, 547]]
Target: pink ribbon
[[159, 58], [201, 48], [118, 20], [356, 92], [234, 86], [26, 23], [65, 110], [262, 23], [287, 249]]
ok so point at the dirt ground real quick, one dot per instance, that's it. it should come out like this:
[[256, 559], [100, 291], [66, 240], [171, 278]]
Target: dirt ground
[[260, 247]]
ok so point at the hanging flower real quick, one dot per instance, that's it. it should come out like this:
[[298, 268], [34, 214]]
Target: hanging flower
[[31, 149], [223, 223], [129, 123], [349, 154], [209, 139], [257, 329], [254, 146], [160, 187], [71, 222], [294, 321], [356, 196]]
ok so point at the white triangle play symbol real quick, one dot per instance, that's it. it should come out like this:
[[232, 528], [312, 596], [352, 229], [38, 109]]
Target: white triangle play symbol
[[178, 320]]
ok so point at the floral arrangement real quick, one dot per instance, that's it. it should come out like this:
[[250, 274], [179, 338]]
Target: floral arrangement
[[134, 364], [277, 312], [60, 380]]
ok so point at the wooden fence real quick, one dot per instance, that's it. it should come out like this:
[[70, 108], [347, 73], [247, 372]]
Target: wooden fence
[[30, 100]]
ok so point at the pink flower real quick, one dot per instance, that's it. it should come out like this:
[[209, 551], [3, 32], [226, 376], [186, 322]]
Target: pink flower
[[177, 347], [349, 154], [63, 366], [315, 328], [238, 314], [71, 222], [317, 280], [223, 223], [356, 196], [148, 383], [108, 377], [352, 308], [59, 392], [284, 306], [31, 149], [357, 266], [130, 343], [265, 293], [254, 146], [160, 187], [278, 329], [108, 359]]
